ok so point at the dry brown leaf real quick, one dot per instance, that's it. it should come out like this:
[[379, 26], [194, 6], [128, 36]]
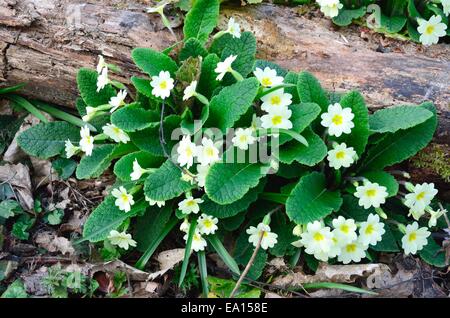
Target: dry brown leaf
[[53, 243], [330, 273], [167, 260], [115, 266], [18, 176]]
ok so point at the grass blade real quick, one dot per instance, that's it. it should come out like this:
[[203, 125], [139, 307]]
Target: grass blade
[[274, 197], [57, 113], [6, 90], [223, 253], [203, 272], [22, 102], [152, 248], [345, 287], [187, 251]]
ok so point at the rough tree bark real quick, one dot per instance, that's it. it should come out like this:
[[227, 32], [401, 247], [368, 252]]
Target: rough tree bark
[[45, 42]]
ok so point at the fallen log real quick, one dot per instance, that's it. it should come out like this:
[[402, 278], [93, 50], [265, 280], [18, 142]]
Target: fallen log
[[45, 42]]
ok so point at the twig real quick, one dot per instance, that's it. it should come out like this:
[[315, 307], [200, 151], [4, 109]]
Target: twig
[[445, 214], [249, 265]]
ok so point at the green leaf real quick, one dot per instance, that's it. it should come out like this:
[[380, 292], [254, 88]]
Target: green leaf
[[11, 89], [351, 209], [433, 254], [15, 290], [285, 236], [143, 86], [150, 226], [207, 82], [310, 200], [231, 103], [310, 91], [202, 268], [124, 166], [308, 155], [229, 182], [393, 24], [412, 10], [192, 48], [346, 16], [397, 118], [165, 183], [412, 31], [9, 208], [94, 165], [360, 133], [302, 116], [64, 167], [201, 20], [384, 179], [134, 117], [152, 62], [87, 85], [402, 144], [228, 210], [107, 217], [223, 253], [187, 250], [244, 48], [25, 104], [148, 139], [292, 78], [48, 140]]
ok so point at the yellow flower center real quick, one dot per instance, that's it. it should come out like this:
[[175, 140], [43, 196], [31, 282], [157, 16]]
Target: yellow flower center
[[337, 120], [318, 236], [412, 237], [276, 120], [266, 81], [345, 228], [371, 192], [124, 197], [163, 85], [340, 155], [209, 152], [350, 248], [191, 203], [369, 229], [88, 139], [189, 152], [243, 138], [421, 195], [265, 234], [207, 223], [196, 237], [429, 30], [275, 100], [116, 130]]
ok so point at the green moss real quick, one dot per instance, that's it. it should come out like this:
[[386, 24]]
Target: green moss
[[435, 158]]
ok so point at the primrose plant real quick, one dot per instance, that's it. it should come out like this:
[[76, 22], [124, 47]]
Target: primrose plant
[[212, 142]]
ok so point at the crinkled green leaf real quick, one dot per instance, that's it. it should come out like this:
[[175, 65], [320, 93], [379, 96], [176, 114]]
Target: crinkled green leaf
[[346, 16], [229, 182], [87, 85], [402, 144], [242, 253], [310, 200], [148, 139], [9, 208], [302, 116], [107, 217], [201, 19], [142, 85], [393, 24], [397, 118], [94, 165], [152, 62], [134, 117], [231, 103], [310, 91], [388, 242], [192, 48], [207, 82], [228, 210], [309, 156], [165, 183], [46, 140], [124, 166], [433, 254]]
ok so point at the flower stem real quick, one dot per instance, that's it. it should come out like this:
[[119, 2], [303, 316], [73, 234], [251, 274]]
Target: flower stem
[[237, 75]]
